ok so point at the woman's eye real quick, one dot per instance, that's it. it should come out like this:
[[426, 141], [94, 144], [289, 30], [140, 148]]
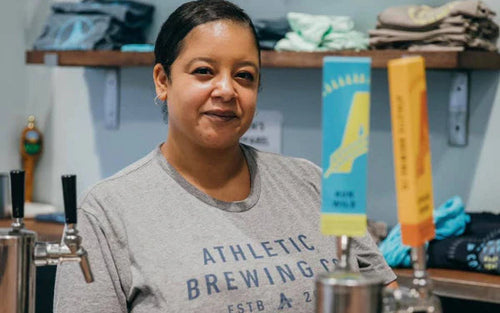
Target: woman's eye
[[245, 75], [202, 71]]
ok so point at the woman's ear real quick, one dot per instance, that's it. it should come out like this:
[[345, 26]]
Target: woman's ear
[[161, 82]]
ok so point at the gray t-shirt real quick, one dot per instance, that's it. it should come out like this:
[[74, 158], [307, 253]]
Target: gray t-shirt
[[158, 244]]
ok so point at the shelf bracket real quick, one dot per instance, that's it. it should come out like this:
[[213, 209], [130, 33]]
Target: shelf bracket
[[458, 109], [50, 59], [112, 98]]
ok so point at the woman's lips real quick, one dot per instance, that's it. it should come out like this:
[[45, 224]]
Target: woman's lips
[[220, 115]]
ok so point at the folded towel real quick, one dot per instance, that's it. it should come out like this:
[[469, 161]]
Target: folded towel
[[321, 33], [314, 28]]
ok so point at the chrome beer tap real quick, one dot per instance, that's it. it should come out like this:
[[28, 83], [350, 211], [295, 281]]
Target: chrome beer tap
[[20, 253], [415, 298], [71, 249], [345, 292]]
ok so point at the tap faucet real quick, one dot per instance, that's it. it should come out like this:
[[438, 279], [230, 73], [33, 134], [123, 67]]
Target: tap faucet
[[70, 250], [419, 296], [342, 291], [20, 253]]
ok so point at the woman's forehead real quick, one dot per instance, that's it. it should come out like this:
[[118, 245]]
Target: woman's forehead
[[221, 28], [219, 35]]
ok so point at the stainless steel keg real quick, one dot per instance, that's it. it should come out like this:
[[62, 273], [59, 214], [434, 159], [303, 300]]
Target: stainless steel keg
[[17, 270], [348, 292]]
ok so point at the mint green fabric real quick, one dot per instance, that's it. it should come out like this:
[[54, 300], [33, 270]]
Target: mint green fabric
[[294, 42], [350, 40], [321, 33]]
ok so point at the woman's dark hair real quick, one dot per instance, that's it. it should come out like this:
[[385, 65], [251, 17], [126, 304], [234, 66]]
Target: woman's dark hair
[[188, 16]]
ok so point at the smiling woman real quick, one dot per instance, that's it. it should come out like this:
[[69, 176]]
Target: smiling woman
[[204, 223], [211, 94]]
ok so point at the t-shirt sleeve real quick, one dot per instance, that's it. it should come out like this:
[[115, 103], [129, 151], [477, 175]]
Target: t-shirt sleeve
[[72, 293], [370, 262]]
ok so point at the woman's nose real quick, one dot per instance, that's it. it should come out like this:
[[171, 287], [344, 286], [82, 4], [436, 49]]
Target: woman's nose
[[224, 88]]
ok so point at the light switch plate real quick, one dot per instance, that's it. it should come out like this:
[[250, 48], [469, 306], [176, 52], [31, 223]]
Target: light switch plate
[[112, 99], [458, 111]]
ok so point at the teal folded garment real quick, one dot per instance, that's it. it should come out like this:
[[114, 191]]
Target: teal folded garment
[[450, 220], [321, 33], [138, 48]]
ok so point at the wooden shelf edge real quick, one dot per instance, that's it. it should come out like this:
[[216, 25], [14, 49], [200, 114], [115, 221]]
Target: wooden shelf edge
[[92, 58], [449, 60], [458, 284], [273, 59]]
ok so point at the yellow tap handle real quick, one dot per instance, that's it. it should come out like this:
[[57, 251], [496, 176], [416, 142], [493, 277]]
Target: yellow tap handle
[[412, 153]]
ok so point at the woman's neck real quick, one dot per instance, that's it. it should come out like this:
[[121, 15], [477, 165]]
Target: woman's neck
[[220, 173]]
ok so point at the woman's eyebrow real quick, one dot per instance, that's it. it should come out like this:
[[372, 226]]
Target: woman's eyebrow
[[203, 59], [213, 62], [249, 63]]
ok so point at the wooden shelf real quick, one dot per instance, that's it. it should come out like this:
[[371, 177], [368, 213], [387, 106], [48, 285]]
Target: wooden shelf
[[273, 59], [46, 231], [458, 284]]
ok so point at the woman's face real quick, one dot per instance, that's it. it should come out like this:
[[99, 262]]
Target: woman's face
[[212, 92]]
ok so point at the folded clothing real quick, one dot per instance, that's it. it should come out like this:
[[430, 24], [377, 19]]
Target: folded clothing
[[481, 224], [83, 32], [94, 25], [130, 13], [478, 249], [450, 220], [450, 36], [459, 24], [270, 31], [423, 17], [321, 33], [146, 47]]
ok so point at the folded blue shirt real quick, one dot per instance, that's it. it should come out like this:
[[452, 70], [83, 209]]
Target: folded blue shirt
[[450, 220], [137, 48]]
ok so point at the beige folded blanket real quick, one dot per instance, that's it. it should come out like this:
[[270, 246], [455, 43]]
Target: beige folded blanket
[[417, 17]]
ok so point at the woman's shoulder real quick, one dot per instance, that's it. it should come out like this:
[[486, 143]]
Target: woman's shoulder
[[278, 164], [275, 158], [127, 181]]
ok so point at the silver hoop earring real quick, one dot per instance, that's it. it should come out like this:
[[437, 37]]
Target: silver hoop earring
[[158, 102]]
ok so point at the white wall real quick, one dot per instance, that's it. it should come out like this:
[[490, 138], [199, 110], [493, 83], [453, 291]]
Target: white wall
[[13, 87], [68, 104]]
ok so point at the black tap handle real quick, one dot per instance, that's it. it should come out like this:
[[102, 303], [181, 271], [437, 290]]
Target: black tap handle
[[17, 193], [69, 194]]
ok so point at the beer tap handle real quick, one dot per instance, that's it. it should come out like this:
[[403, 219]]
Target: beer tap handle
[[69, 195], [71, 237], [17, 195]]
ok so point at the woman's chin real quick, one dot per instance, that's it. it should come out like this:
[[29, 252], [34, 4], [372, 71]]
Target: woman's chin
[[221, 143]]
